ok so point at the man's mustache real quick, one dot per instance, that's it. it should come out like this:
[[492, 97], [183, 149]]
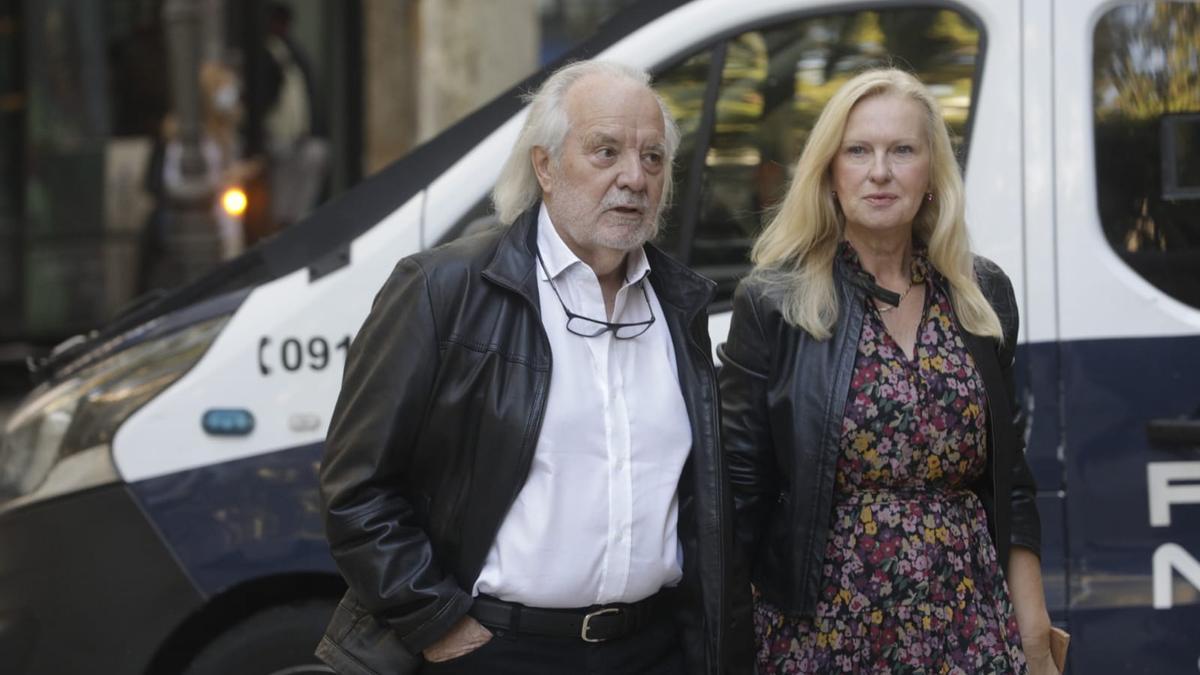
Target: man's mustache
[[629, 200]]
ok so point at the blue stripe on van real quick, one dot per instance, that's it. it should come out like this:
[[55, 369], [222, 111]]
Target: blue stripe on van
[[1037, 380], [1036, 374], [236, 521], [1094, 398], [1111, 390]]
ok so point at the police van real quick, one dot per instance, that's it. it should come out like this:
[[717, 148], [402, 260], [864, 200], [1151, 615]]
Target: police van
[[159, 510]]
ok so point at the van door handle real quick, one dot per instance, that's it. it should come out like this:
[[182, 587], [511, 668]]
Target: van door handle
[[1174, 432]]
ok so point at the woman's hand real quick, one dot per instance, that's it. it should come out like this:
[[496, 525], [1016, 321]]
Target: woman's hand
[[1029, 603], [1037, 652], [1043, 665]]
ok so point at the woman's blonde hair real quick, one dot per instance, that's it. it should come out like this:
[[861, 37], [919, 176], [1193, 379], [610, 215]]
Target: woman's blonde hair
[[797, 248]]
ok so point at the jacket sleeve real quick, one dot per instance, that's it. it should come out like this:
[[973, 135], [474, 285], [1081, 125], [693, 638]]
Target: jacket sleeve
[[746, 432], [374, 533], [1026, 525]]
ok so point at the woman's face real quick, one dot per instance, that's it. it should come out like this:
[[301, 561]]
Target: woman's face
[[881, 170]]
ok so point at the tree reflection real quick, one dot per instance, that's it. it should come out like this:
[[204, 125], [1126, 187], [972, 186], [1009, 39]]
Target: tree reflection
[[1146, 69], [1147, 61]]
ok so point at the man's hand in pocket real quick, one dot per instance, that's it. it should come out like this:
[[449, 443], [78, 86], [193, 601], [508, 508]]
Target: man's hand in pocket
[[465, 637]]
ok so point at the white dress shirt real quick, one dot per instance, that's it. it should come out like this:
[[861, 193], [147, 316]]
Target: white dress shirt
[[596, 521]]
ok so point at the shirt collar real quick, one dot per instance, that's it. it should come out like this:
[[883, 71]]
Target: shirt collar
[[558, 257]]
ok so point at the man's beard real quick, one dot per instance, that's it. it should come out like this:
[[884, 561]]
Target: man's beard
[[578, 219]]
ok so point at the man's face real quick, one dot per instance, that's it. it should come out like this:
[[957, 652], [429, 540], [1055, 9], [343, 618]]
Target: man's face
[[605, 190]]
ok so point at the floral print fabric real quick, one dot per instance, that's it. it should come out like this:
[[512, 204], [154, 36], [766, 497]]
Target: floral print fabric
[[911, 581]]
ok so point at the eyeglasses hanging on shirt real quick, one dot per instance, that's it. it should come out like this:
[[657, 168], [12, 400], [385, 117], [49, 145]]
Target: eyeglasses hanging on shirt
[[580, 325]]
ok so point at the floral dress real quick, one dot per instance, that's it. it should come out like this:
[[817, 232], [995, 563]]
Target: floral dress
[[911, 583]]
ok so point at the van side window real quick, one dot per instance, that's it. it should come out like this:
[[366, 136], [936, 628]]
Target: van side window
[[774, 82], [682, 87], [1147, 139]]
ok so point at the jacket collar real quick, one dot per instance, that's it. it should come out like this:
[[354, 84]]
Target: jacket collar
[[677, 285], [514, 266]]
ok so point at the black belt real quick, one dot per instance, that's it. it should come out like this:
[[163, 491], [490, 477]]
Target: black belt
[[597, 623]]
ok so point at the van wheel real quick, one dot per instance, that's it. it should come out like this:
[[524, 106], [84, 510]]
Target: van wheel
[[275, 641]]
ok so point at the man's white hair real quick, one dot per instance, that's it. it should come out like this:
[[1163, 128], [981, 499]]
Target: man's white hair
[[547, 126]]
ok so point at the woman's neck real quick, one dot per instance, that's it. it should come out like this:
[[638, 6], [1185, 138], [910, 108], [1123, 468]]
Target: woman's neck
[[886, 256]]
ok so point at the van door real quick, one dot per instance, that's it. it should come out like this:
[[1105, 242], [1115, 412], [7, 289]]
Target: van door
[[1127, 224]]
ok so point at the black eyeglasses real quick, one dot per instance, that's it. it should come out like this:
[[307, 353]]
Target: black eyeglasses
[[582, 326]]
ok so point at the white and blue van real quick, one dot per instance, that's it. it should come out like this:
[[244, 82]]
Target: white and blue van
[[159, 510]]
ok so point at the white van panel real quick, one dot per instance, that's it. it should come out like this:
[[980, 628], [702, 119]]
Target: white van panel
[[469, 180], [993, 173], [718, 330], [1039, 304], [291, 407], [397, 235]]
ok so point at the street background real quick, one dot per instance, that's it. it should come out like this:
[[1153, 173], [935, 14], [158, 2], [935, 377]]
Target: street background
[[307, 96]]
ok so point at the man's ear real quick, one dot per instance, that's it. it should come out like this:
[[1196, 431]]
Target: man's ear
[[541, 166]]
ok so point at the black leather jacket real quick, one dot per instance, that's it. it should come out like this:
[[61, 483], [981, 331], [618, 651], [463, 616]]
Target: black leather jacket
[[434, 433], [783, 399]]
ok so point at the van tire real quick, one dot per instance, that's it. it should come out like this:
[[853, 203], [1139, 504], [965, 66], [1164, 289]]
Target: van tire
[[275, 641]]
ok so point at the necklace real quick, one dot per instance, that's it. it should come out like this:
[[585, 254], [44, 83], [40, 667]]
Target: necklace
[[887, 308]]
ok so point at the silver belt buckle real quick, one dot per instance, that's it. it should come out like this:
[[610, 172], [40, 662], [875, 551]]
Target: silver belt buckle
[[583, 632]]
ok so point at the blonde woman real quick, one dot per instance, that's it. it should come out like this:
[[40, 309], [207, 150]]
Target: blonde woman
[[881, 488]]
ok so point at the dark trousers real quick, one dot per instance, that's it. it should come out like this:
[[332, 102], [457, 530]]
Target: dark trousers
[[655, 650]]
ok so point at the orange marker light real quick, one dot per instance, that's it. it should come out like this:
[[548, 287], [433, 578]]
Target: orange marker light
[[234, 201]]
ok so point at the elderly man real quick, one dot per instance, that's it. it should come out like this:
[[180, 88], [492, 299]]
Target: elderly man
[[523, 471]]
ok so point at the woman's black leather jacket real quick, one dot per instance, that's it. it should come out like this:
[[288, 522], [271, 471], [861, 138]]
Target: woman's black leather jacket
[[783, 399]]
